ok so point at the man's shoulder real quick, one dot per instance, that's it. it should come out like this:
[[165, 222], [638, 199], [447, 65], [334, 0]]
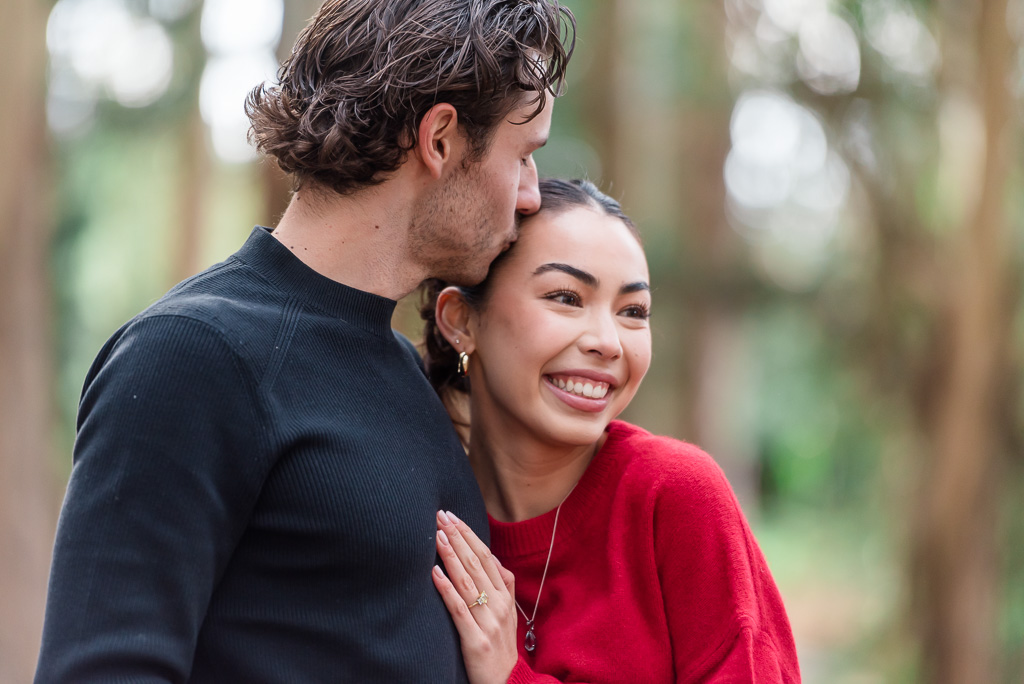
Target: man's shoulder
[[410, 349], [227, 306], [213, 293], [229, 298]]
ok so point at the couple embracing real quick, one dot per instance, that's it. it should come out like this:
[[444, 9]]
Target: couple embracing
[[270, 485]]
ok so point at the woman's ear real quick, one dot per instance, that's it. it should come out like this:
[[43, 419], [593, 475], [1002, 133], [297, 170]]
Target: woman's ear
[[453, 316]]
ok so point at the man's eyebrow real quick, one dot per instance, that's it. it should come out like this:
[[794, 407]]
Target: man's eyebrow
[[576, 273], [638, 286]]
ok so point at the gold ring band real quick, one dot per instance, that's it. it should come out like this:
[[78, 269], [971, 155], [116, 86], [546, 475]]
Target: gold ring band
[[481, 600]]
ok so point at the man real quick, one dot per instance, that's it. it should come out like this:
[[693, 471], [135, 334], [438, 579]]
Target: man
[[259, 458]]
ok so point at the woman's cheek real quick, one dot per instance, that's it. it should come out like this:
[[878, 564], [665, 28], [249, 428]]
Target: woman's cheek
[[548, 331]]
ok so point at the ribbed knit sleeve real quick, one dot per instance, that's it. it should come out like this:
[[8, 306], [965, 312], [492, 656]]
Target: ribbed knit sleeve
[[171, 453]]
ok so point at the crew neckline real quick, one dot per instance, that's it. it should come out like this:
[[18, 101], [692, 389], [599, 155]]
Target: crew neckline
[[276, 263], [533, 536]]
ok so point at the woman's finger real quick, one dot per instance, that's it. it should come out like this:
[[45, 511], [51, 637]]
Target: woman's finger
[[472, 563], [487, 560], [459, 575], [488, 649], [462, 615], [506, 577]]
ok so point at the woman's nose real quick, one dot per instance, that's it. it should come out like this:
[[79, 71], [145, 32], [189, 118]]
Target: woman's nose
[[602, 337]]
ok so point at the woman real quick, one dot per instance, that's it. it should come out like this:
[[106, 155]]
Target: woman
[[631, 559]]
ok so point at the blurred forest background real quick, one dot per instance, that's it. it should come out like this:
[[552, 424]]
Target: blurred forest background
[[831, 194]]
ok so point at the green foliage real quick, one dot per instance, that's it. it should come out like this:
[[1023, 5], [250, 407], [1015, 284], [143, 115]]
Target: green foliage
[[1012, 561], [117, 187], [817, 445]]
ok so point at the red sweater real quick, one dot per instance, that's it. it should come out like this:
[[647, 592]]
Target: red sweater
[[655, 575]]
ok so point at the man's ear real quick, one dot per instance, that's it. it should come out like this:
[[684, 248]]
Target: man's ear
[[455, 319], [439, 138]]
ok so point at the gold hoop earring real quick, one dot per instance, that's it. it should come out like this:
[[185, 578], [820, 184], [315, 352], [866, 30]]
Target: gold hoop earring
[[463, 364]]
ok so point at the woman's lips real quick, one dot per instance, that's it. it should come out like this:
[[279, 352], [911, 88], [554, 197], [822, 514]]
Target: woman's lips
[[577, 399]]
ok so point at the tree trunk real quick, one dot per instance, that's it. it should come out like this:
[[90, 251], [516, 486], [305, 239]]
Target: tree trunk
[[604, 88], [28, 499], [277, 186], [717, 364], [194, 179], [956, 563], [195, 167]]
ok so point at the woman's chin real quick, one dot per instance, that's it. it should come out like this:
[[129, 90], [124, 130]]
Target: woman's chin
[[574, 432]]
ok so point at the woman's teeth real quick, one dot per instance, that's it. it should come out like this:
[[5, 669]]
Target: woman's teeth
[[592, 390]]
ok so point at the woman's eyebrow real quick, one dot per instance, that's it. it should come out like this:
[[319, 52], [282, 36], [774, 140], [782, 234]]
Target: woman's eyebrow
[[576, 273], [638, 286]]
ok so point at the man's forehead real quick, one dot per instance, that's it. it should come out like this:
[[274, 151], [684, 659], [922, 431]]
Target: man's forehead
[[527, 106], [535, 130]]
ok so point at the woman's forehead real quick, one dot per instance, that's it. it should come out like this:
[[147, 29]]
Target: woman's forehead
[[580, 235]]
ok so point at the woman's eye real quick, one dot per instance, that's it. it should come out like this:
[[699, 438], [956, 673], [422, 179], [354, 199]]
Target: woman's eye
[[637, 311], [565, 297]]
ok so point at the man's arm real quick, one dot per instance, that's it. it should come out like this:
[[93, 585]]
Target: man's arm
[[170, 455]]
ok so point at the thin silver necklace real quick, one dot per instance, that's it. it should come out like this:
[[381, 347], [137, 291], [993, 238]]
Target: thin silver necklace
[[530, 642]]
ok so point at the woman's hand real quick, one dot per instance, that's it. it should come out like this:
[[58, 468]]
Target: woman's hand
[[487, 629]]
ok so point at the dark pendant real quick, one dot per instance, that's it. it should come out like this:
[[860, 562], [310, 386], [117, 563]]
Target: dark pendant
[[530, 642]]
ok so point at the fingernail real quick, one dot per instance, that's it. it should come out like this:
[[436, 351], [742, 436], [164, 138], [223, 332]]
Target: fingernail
[[443, 518], [443, 537], [452, 516], [437, 571]]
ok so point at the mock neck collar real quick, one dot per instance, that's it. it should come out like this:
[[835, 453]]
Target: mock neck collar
[[273, 261]]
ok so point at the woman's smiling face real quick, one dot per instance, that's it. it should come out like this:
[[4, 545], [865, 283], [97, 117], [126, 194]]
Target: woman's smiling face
[[563, 339]]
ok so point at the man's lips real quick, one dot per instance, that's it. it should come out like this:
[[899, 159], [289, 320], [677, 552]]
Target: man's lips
[[511, 240]]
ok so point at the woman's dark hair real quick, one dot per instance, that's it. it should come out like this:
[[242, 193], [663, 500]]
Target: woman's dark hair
[[362, 74], [439, 357]]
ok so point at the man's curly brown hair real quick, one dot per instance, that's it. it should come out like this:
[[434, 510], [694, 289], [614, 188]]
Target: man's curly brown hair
[[362, 74]]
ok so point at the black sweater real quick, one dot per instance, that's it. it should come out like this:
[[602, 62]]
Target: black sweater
[[258, 465]]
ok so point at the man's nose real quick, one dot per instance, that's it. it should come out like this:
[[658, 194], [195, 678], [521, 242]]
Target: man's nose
[[528, 199]]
